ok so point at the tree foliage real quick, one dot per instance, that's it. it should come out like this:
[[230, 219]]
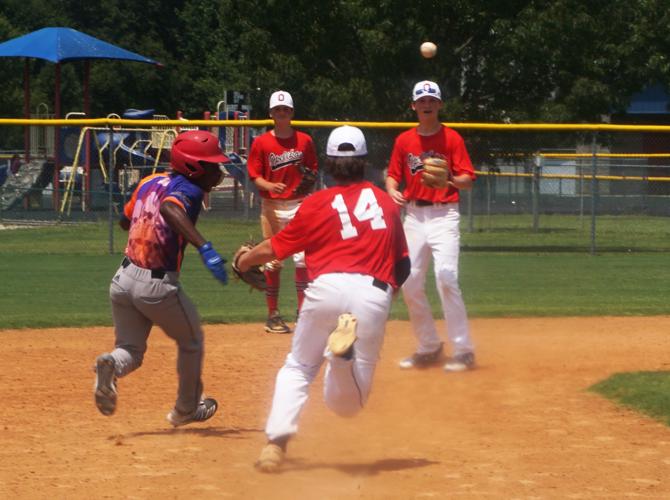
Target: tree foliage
[[514, 60]]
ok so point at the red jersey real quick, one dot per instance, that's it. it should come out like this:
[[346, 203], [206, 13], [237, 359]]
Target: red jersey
[[346, 229], [278, 160], [409, 151]]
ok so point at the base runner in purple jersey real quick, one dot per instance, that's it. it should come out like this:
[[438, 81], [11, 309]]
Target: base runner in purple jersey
[[160, 219]]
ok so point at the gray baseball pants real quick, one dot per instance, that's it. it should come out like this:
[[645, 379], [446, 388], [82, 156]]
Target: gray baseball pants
[[141, 298]]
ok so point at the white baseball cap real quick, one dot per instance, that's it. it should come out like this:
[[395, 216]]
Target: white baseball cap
[[281, 98], [349, 136], [426, 88]]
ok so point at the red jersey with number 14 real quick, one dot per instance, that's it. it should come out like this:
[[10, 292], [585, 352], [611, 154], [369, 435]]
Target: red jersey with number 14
[[354, 228]]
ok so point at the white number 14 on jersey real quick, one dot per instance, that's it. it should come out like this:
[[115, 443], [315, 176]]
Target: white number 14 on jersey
[[366, 208]]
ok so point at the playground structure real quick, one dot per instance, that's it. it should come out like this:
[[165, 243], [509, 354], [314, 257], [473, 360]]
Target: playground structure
[[93, 160], [18, 188], [122, 156], [75, 156], [235, 142]]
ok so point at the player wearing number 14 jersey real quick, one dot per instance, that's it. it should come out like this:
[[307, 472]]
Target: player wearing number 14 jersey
[[356, 256]]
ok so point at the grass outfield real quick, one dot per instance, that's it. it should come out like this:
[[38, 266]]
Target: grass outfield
[[647, 392], [562, 233], [59, 275]]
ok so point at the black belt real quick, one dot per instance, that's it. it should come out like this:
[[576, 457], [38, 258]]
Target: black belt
[[423, 203], [157, 274], [380, 284]]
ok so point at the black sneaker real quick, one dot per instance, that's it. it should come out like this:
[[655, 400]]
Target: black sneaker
[[423, 360], [204, 411], [460, 362], [275, 324], [105, 384]]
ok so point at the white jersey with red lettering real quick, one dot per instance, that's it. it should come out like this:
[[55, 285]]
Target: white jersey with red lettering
[[352, 236]]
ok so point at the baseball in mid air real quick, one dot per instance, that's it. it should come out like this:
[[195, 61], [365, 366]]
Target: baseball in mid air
[[428, 49]]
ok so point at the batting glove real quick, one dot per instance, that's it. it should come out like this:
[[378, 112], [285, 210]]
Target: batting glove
[[214, 262]]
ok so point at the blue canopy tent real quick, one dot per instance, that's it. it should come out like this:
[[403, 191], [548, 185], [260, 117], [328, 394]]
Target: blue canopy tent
[[60, 45]]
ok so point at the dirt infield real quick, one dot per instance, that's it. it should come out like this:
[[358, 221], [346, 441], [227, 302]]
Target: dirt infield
[[520, 426]]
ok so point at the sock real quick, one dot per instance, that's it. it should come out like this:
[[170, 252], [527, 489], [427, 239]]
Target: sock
[[272, 290]]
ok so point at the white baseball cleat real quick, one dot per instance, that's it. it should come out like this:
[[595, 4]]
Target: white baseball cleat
[[105, 384], [341, 340]]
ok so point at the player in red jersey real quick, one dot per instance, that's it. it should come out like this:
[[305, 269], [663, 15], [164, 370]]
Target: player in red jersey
[[432, 228], [356, 256], [274, 164]]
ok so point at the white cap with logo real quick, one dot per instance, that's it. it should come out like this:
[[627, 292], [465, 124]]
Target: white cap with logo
[[281, 98], [426, 88], [343, 139]]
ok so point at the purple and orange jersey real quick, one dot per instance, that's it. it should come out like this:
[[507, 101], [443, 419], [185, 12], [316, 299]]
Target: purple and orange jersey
[[152, 244]]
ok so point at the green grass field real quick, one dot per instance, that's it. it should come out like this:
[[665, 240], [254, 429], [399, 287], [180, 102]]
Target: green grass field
[[562, 233], [647, 392], [59, 276]]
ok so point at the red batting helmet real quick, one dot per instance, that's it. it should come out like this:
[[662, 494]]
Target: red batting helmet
[[192, 150]]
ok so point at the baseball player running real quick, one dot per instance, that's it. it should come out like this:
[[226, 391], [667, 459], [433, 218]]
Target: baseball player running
[[356, 255], [278, 161], [160, 218], [432, 228]]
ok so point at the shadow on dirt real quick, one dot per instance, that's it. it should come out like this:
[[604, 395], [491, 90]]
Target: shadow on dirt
[[360, 469], [202, 431]]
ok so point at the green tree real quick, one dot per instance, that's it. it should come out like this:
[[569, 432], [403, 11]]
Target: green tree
[[514, 60]]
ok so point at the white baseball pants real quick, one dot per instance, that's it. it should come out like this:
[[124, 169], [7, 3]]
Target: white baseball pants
[[347, 383], [275, 215], [434, 231]]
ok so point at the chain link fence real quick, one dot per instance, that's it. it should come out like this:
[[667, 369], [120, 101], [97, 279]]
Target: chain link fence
[[572, 184]]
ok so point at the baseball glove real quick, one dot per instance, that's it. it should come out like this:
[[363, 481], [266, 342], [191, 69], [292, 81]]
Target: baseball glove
[[255, 275], [436, 173], [307, 181]]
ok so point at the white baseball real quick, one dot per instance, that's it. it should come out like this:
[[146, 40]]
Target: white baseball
[[428, 49]]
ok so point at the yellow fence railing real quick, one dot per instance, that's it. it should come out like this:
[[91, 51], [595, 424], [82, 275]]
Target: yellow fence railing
[[119, 122], [574, 176]]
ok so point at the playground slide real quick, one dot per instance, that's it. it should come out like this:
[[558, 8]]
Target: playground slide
[[236, 167], [33, 176], [135, 157], [125, 155]]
